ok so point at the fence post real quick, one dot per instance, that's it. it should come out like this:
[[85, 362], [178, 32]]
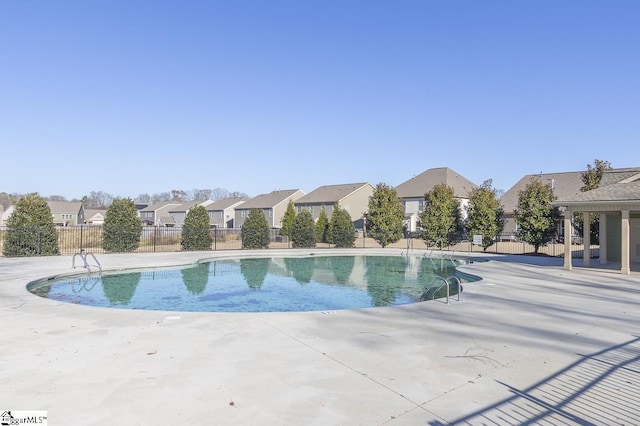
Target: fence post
[[215, 238], [39, 240], [155, 230], [80, 238]]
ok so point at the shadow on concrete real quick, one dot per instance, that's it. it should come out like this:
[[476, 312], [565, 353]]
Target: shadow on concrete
[[602, 388]]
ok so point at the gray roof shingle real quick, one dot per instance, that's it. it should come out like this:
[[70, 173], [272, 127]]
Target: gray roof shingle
[[330, 193], [66, 207], [224, 203], [419, 185], [567, 187], [564, 184], [615, 192], [266, 201]]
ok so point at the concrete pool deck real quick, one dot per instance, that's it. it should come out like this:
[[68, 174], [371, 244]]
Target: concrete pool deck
[[530, 343]]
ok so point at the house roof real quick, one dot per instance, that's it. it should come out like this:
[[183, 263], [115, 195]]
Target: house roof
[[611, 193], [185, 207], [567, 186], [225, 203], [264, 201], [619, 175], [331, 193], [167, 220], [420, 184], [564, 184], [158, 206], [66, 207], [90, 213]]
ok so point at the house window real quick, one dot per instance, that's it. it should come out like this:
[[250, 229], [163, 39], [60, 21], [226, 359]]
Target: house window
[[311, 210], [270, 212], [421, 205]]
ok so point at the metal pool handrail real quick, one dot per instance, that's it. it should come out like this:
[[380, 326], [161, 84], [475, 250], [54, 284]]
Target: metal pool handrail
[[445, 281], [85, 263]]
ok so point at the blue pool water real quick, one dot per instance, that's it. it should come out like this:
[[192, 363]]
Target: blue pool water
[[285, 284]]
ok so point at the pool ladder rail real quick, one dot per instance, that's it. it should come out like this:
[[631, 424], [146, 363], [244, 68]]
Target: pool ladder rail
[[433, 290], [85, 262]]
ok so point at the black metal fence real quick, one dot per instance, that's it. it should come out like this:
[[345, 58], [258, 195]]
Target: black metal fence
[[89, 238]]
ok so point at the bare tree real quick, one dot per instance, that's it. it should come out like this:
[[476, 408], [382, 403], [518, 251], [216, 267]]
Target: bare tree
[[237, 194], [98, 200], [144, 198], [201, 194], [9, 199], [160, 197], [219, 194], [179, 195]]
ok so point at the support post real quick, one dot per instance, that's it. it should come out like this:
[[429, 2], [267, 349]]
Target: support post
[[586, 240], [567, 240], [602, 232], [624, 252]]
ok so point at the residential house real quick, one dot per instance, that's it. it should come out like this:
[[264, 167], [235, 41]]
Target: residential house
[[222, 213], [5, 214], [564, 184], [95, 216], [617, 202], [66, 213], [412, 192], [180, 213], [273, 205], [158, 214], [352, 197]]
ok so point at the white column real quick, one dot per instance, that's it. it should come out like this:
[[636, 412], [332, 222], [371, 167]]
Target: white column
[[567, 240], [624, 252], [586, 240], [603, 238]]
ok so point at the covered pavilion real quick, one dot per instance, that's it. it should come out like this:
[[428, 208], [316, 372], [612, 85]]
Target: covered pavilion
[[618, 207]]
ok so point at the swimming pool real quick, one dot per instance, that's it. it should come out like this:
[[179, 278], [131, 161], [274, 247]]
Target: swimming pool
[[259, 284]]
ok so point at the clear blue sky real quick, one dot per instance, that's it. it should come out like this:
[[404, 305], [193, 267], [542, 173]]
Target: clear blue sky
[[130, 96]]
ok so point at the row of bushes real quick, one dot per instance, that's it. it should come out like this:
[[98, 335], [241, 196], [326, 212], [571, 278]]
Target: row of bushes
[[304, 232]]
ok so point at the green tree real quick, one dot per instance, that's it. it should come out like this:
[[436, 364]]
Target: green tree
[[195, 231], [384, 218], [535, 216], [322, 228], [122, 226], [440, 220], [303, 231], [288, 219], [485, 214], [591, 179], [343, 233], [30, 229], [593, 176], [255, 231]]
